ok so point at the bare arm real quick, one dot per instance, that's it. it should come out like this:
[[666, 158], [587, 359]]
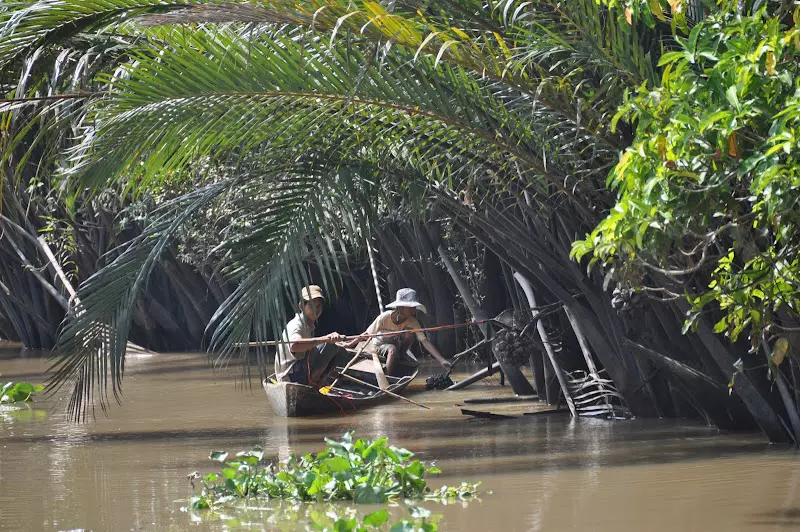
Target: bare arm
[[374, 326], [430, 348], [354, 342], [301, 345]]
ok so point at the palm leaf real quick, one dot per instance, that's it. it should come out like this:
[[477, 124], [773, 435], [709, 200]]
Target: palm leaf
[[91, 346], [303, 134], [254, 86]]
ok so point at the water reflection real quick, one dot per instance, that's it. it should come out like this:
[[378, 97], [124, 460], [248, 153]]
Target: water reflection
[[281, 515], [129, 470]]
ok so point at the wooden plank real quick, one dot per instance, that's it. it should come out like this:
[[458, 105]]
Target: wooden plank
[[497, 400], [548, 412], [485, 415]]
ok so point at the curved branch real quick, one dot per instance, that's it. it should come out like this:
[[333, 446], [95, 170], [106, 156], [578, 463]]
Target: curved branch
[[686, 271]]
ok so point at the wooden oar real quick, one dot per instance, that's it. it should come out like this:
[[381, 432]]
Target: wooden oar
[[352, 361], [345, 375], [379, 374]]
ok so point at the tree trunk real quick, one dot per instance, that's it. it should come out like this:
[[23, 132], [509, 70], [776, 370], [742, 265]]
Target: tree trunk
[[518, 382], [494, 290], [562, 381], [757, 405], [439, 289]]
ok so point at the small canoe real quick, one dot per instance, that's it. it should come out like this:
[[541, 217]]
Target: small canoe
[[289, 399]]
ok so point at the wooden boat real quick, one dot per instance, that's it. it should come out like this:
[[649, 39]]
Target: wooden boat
[[289, 399]]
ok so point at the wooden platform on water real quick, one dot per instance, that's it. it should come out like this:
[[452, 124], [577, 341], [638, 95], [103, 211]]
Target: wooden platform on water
[[508, 407]]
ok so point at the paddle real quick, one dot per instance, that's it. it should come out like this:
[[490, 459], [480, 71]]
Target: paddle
[[346, 376], [379, 374], [352, 361]]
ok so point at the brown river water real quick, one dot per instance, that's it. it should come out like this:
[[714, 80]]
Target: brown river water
[[128, 470]]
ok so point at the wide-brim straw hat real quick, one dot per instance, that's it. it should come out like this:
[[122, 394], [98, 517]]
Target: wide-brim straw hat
[[407, 297]]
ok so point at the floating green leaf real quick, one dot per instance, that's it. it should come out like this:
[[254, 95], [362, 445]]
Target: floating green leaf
[[219, 456], [16, 392], [376, 519], [363, 471]]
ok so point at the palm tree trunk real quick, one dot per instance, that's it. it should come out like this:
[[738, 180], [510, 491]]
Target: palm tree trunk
[[757, 405], [438, 288], [562, 381], [516, 379]]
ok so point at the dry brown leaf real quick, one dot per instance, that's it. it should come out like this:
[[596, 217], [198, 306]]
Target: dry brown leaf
[[780, 350]]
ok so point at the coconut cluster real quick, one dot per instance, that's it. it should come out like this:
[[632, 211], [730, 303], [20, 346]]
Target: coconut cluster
[[510, 347]]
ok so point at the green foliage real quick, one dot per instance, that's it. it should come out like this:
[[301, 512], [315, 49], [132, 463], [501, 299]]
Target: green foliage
[[13, 392], [377, 520], [358, 470], [709, 191], [280, 132]]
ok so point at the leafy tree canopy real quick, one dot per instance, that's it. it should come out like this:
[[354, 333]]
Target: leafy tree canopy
[[708, 192]]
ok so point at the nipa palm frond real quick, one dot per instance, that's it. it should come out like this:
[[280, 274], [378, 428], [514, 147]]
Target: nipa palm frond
[[216, 93], [91, 346], [284, 111]]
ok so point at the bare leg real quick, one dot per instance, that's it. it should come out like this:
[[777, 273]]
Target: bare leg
[[406, 342], [391, 359]]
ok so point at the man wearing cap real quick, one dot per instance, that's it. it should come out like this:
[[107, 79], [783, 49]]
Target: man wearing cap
[[302, 359], [392, 348]]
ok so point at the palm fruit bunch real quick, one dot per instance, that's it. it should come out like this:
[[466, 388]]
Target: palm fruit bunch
[[511, 347], [626, 301], [440, 381]]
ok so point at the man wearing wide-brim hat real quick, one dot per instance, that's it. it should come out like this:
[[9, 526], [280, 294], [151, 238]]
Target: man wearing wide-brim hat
[[401, 317], [304, 359]]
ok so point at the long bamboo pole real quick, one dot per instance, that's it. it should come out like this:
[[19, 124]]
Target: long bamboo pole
[[73, 293], [60, 272], [544, 309], [374, 271], [49, 288]]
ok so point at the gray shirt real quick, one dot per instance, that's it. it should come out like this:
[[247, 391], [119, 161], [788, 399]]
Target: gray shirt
[[297, 328]]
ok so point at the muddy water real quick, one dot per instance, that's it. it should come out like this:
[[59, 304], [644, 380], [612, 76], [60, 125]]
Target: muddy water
[[128, 471]]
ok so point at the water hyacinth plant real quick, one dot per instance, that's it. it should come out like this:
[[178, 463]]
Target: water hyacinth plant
[[17, 392], [358, 470]]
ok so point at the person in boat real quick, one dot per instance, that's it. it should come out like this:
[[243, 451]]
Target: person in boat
[[393, 348], [304, 359]]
